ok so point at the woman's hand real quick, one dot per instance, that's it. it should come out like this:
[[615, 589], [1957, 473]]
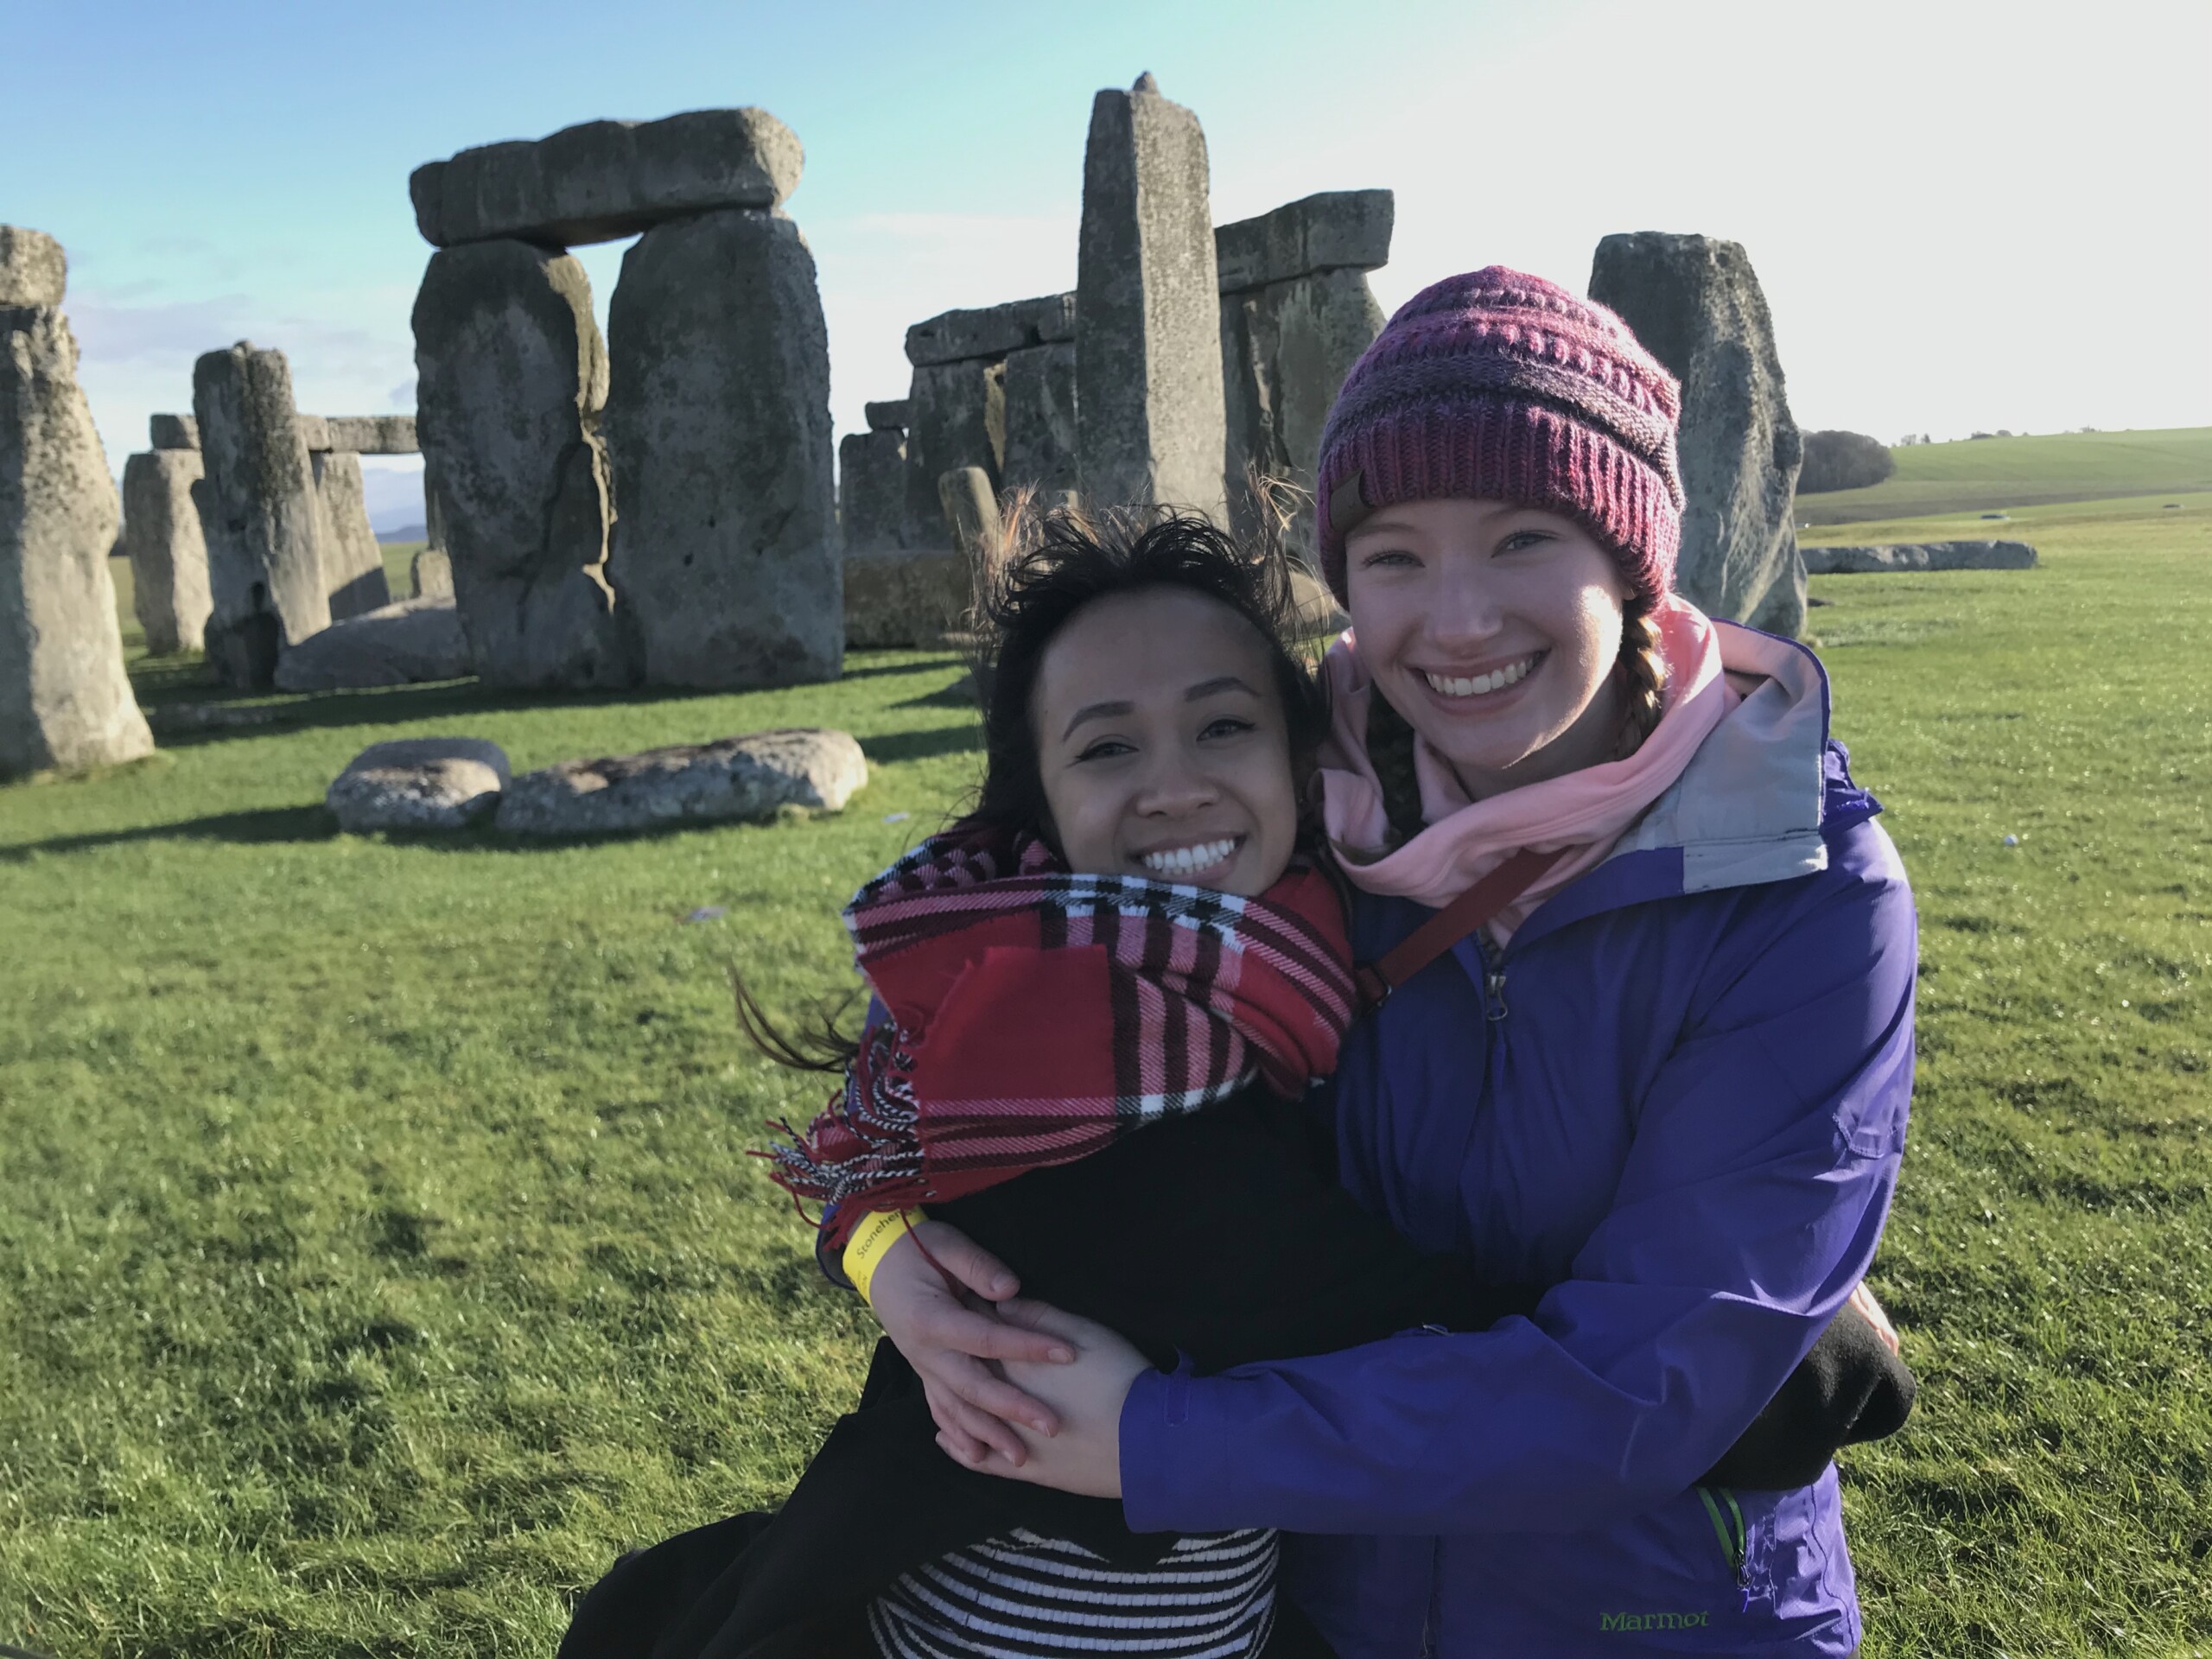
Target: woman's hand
[[1087, 1395], [949, 1337]]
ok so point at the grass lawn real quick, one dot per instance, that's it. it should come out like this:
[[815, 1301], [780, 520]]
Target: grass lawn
[[380, 1255], [1977, 474]]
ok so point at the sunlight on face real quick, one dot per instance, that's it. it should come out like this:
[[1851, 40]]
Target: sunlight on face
[[1162, 743], [1493, 630]]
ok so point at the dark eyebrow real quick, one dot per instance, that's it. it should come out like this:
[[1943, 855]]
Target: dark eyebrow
[[1215, 686], [1097, 711], [1212, 687]]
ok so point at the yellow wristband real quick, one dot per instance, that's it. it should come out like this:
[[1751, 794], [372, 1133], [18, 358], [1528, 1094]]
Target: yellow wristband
[[871, 1241]]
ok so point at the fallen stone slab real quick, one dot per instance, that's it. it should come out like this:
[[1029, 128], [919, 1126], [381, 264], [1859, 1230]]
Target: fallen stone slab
[[607, 178], [890, 415], [33, 270], [173, 432], [1918, 555], [373, 435], [405, 643], [1335, 230], [905, 601], [749, 776], [992, 330], [419, 783]]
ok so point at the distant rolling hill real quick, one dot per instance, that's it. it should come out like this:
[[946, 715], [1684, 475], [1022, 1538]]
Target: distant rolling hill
[[1977, 474]]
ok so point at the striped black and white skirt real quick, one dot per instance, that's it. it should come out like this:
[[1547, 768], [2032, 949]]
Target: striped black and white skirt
[[1020, 1597]]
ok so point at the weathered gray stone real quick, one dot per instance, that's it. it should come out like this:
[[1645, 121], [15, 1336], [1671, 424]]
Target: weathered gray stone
[[1318, 610], [1333, 230], [608, 179], [1695, 304], [173, 432], [258, 513], [1040, 434], [401, 644], [1149, 416], [971, 512], [905, 601], [1918, 555], [726, 557], [750, 777], [991, 331], [373, 435], [511, 375], [419, 783], [429, 574], [65, 702], [167, 554], [956, 418], [871, 490], [1285, 348], [315, 432], [353, 564], [33, 270], [887, 417]]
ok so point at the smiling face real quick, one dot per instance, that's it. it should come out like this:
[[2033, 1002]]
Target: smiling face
[[1162, 744], [1493, 630]]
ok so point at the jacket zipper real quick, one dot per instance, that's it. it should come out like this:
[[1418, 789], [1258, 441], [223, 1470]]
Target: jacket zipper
[[1734, 1543], [1493, 961]]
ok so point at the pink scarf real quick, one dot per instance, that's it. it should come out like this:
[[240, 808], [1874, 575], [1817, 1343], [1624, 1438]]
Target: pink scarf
[[1585, 811]]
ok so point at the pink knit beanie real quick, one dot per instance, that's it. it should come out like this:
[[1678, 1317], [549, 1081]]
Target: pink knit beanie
[[1508, 388]]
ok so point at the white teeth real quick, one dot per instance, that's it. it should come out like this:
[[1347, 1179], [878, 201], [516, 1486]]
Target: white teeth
[[1182, 860], [1457, 686]]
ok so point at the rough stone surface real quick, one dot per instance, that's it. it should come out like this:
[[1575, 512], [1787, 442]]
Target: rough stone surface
[[749, 776], [608, 179], [1149, 416], [173, 432], [871, 490], [419, 783], [259, 513], [314, 432], [887, 417], [510, 376], [167, 554], [373, 435], [65, 702], [429, 574], [353, 564], [991, 331], [726, 557], [1918, 555], [907, 601], [957, 418], [33, 270], [1335, 230], [1285, 348], [401, 644], [971, 512], [1695, 304], [1040, 435]]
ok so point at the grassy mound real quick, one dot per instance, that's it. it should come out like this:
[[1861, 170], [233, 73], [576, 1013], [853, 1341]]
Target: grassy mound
[[380, 1255], [1982, 474]]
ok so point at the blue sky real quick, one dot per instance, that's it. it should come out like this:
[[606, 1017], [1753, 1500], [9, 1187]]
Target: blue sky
[[1965, 216]]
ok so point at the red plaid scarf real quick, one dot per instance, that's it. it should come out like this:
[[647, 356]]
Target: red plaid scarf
[[1033, 1016]]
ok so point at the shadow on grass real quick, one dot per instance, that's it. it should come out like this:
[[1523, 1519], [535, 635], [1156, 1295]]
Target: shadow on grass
[[894, 747], [260, 827]]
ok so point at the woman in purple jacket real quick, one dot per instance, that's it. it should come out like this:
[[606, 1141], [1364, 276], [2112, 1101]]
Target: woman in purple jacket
[[1670, 1079]]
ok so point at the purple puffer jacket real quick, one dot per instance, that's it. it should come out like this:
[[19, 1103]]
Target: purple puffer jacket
[[1679, 1094]]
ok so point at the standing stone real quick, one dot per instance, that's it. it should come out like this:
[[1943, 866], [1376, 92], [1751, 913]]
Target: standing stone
[[33, 270], [726, 557], [1149, 418], [971, 514], [871, 490], [1040, 424], [258, 511], [167, 554], [1296, 313], [1695, 304], [888, 417], [353, 564], [65, 701], [429, 574], [173, 432], [510, 376], [956, 417]]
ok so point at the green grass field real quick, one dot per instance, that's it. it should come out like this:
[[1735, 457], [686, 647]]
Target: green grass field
[[380, 1255], [1982, 474]]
